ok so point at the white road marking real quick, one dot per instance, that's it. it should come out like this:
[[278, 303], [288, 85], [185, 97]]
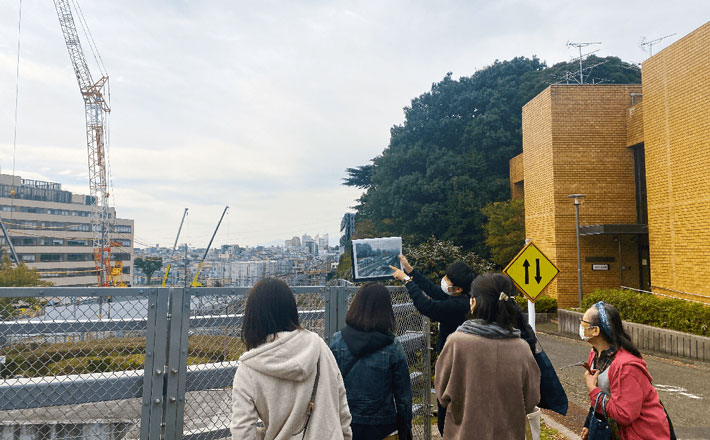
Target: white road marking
[[678, 390]]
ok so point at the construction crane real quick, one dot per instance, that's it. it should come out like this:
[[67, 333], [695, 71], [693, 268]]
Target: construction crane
[[195, 283], [96, 109], [167, 269]]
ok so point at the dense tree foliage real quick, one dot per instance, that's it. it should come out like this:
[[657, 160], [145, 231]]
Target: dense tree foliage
[[148, 266], [505, 229], [18, 276], [450, 156]]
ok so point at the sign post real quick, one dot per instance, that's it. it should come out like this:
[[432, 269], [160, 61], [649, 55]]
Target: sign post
[[532, 272]]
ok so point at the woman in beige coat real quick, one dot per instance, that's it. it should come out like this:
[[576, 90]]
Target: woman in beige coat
[[486, 376], [284, 370]]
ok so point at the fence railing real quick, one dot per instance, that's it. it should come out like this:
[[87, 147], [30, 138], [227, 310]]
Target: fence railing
[[151, 363]]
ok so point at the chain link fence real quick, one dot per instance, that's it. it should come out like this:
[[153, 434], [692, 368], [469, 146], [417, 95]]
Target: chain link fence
[[149, 363]]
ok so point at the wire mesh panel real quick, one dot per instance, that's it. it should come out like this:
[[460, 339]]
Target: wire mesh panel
[[412, 330], [71, 363], [215, 345]]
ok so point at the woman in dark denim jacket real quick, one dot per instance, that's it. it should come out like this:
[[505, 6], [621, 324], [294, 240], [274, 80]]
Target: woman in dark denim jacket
[[374, 367]]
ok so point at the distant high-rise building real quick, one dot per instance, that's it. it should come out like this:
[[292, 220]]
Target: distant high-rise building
[[323, 243]]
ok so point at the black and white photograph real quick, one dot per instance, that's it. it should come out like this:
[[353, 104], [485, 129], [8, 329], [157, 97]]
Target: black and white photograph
[[372, 257]]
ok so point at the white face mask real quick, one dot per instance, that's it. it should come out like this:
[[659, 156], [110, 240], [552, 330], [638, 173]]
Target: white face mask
[[581, 334], [445, 287]]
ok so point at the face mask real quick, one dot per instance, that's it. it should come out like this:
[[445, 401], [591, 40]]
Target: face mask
[[581, 334], [445, 287]]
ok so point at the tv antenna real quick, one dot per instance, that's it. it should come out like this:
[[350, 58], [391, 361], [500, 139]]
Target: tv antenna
[[579, 46], [650, 43]]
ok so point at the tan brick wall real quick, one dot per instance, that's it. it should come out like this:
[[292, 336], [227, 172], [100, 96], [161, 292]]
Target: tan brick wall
[[539, 178], [574, 141], [634, 124], [676, 97], [517, 177]]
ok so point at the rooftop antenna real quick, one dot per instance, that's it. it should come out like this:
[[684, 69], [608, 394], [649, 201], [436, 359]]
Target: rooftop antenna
[[650, 43], [580, 46]]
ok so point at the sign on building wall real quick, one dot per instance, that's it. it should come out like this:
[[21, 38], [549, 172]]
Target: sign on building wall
[[531, 271]]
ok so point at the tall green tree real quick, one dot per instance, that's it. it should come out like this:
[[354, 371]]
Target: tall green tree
[[450, 157], [505, 229], [148, 266]]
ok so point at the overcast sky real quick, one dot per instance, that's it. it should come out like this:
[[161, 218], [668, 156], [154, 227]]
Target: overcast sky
[[262, 105]]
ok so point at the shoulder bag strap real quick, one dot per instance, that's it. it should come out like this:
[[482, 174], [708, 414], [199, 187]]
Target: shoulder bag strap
[[312, 402]]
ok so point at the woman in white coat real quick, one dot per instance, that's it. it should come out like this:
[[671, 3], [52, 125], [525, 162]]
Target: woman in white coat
[[288, 378]]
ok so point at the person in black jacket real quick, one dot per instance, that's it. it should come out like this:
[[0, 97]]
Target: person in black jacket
[[447, 303]]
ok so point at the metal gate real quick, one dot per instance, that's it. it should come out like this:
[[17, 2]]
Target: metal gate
[[152, 363]]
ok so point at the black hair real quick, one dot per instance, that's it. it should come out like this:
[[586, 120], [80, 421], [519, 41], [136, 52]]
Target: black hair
[[371, 309], [618, 338], [461, 275], [271, 308], [487, 289]]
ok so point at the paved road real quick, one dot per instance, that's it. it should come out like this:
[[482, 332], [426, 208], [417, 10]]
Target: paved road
[[684, 386]]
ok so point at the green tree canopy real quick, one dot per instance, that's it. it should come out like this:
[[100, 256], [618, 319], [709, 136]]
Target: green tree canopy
[[18, 276], [505, 229], [148, 265], [450, 156]]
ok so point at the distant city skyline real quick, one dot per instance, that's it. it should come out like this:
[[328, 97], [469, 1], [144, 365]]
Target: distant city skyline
[[262, 106]]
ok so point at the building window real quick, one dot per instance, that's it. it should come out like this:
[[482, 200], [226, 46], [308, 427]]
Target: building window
[[80, 257], [77, 242], [28, 257], [122, 228], [50, 257]]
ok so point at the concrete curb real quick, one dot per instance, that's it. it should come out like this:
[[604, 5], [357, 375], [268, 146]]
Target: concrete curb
[[648, 338]]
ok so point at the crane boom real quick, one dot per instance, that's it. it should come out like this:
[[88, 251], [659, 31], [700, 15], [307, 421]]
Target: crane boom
[[195, 283], [167, 269], [95, 109]]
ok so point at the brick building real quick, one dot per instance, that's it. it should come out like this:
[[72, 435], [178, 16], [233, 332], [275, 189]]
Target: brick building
[[641, 155]]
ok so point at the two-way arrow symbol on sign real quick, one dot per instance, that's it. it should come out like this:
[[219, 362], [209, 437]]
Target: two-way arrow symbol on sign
[[526, 265]]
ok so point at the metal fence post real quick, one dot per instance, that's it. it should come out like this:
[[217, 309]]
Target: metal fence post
[[426, 328], [331, 313], [176, 373], [156, 336], [342, 301]]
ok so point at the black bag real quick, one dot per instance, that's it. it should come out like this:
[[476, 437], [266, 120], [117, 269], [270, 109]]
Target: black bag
[[670, 424], [552, 394], [599, 428]]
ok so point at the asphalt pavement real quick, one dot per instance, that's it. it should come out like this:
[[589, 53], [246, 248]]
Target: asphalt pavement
[[683, 385]]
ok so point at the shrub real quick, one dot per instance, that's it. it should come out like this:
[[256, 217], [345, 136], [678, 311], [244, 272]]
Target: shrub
[[645, 308], [544, 304]]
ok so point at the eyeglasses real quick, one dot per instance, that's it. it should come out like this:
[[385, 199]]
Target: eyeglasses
[[589, 324]]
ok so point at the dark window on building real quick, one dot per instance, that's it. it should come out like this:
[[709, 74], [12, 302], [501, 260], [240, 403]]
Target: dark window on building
[[77, 242], [80, 257], [640, 175], [50, 257]]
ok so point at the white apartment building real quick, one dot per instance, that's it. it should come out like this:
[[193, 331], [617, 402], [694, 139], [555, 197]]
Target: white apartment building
[[50, 229]]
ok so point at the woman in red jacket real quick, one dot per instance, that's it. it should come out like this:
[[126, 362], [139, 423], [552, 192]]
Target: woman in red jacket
[[621, 376]]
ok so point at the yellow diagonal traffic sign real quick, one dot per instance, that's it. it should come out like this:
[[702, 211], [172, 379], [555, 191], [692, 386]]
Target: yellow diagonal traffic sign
[[531, 271]]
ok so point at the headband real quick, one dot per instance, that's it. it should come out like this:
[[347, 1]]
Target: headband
[[604, 318]]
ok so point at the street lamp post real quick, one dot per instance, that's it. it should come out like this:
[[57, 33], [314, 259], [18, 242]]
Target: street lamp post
[[577, 201]]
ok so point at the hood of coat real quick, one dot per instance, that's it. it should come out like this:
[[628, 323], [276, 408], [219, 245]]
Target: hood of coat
[[362, 343], [290, 355], [623, 357]]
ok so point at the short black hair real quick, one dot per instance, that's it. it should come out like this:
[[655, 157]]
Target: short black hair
[[271, 308], [487, 289], [461, 275], [371, 309]]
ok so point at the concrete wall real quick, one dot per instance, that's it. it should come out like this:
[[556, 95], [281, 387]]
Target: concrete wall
[[676, 107]]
